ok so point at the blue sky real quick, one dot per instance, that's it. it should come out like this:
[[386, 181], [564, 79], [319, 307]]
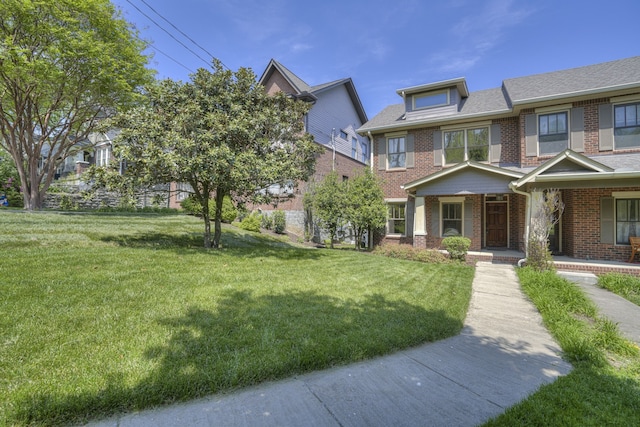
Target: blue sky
[[386, 45]]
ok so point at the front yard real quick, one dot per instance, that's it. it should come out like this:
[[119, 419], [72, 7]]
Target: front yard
[[102, 313]]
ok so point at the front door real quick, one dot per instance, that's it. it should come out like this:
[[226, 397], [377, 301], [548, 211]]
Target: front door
[[496, 225]]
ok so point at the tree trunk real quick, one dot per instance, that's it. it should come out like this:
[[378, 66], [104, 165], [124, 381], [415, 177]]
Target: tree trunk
[[218, 218], [207, 222]]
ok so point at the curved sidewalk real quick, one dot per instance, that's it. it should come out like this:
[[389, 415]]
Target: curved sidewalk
[[503, 354]]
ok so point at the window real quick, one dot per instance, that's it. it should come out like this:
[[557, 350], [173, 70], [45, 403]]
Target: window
[[365, 152], [396, 218], [183, 190], [103, 155], [627, 125], [468, 144], [397, 152], [430, 100], [451, 219], [627, 219], [354, 148], [553, 136], [343, 135]]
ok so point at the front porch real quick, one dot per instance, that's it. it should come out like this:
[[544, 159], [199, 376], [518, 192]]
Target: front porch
[[563, 263]]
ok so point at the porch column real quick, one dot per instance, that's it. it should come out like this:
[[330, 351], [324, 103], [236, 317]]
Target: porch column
[[419, 218]]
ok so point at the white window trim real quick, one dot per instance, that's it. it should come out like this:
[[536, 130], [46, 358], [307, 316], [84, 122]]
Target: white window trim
[[388, 137], [464, 129], [450, 200], [396, 202], [427, 94]]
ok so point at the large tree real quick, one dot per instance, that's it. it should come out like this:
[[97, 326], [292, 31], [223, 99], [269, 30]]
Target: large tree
[[221, 133], [64, 65]]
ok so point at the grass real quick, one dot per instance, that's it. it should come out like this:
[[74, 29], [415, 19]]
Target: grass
[[604, 386], [106, 313], [625, 285]]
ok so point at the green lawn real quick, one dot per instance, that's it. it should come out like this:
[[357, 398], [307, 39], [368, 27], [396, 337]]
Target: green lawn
[[604, 387], [103, 313], [625, 285]]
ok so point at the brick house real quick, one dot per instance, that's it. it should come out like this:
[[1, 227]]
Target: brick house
[[333, 120], [456, 162]]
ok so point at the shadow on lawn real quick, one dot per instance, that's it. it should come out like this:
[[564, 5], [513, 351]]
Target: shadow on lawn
[[249, 339], [245, 245]]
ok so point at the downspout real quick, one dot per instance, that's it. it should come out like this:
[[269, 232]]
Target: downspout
[[527, 220], [370, 150]]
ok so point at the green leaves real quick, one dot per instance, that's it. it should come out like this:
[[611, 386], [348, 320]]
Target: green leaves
[[219, 132]]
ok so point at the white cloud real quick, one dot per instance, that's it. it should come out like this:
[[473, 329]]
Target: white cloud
[[479, 33]]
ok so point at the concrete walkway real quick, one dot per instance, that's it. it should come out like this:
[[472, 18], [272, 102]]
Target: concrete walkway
[[502, 355], [619, 310]]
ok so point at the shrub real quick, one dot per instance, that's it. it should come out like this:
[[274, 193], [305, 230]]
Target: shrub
[[457, 246], [279, 221], [251, 222], [410, 253], [539, 256], [266, 221], [229, 211]]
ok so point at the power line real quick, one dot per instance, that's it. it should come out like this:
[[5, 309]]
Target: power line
[[181, 32], [170, 35]]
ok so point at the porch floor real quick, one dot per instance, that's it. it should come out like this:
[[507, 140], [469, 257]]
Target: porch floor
[[563, 263]]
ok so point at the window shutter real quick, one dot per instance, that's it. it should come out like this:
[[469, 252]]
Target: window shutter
[[531, 135], [435, 219], [605, 114], [408, 216], [468, 218], [607, 223], [410, 162], [382, 153], [496, 145], [577, 129], [437, 148]]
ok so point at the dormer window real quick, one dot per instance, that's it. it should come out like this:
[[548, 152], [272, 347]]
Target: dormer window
[[431, 99]]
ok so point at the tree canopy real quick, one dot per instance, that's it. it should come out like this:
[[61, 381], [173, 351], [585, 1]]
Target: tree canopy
[[64, 65], [221, 133], [365, 207]]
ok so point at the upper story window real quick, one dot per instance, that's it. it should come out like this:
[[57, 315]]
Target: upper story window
[[396, 147], [627, 125], [343, 135], [354, 148], [365, 152], [466, 144], [553, 133], [103, 155], [431, 99]]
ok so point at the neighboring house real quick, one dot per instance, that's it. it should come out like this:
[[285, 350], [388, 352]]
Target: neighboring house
[[333, 120], [461, 163]]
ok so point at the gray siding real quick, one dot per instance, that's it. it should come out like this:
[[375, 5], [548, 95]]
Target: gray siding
[[334, 110], [467, 182]]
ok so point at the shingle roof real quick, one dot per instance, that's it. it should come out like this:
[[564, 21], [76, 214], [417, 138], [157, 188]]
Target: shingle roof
[[589, 79]]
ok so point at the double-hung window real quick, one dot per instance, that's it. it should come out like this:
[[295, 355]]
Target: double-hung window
[[396, 218], [627, 219], [397, 152], [354, 148], [627, 125], [466, 144], [103, 155], [553, 134], [451, 219], [365, 152]]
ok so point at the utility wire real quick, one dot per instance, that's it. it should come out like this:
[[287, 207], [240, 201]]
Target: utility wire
[[182, 32], [171, 35]]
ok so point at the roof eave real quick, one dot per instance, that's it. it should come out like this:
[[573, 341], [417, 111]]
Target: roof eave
[[566, 95]]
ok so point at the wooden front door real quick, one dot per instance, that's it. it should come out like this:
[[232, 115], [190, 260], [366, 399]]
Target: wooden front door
[[496, 223]]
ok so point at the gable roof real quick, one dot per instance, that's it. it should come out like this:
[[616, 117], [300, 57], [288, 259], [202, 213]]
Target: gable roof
[[304, 90], [469, 164], [586, 168]]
